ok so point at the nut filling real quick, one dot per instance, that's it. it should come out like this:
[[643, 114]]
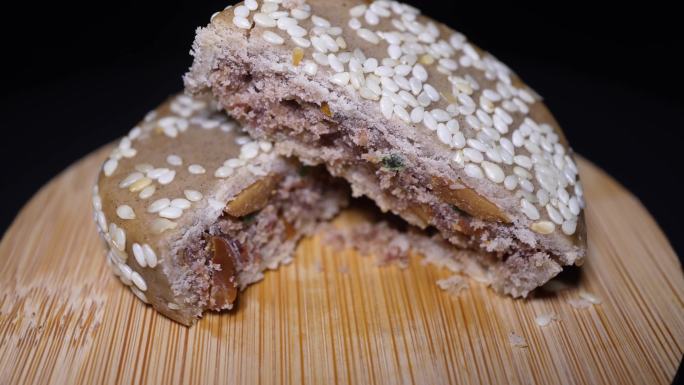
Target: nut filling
[[265, 219]]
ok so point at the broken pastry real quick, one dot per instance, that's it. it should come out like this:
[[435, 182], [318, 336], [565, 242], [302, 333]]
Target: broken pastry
[[193, 210], [412, 115]]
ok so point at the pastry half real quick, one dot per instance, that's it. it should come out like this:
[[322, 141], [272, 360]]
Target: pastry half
[[192, 210], [412, 115]]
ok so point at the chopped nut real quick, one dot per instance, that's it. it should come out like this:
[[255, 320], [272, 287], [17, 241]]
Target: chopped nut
[[423, 212], [253, 198], [224, 282], [468, 200], [297, 56], [326, 109]]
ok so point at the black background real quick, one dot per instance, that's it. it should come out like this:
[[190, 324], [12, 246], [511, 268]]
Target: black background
[[77, 77]]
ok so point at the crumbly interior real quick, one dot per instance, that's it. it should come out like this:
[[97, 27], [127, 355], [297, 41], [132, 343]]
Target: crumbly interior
[[362, 154], [263, 239]]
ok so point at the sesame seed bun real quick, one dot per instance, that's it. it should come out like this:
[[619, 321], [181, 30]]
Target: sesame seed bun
[[412, 114]]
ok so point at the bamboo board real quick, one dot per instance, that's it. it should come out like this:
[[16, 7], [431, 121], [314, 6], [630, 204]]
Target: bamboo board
[[333, 316]]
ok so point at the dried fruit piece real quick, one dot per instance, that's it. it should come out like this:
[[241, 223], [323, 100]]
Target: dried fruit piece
[[253, 198], [468, 200]]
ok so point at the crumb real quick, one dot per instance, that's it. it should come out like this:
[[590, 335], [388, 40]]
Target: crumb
[[344, 270], [318, 266], [453, 285], [516, 340], [579, 303], [590, 297], [545, 319]]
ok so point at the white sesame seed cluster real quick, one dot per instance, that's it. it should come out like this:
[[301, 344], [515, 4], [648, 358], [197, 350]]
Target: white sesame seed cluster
[[486, 125], [146, 181]]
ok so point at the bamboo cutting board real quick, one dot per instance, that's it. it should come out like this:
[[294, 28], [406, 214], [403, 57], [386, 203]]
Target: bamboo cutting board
[[335, 317]]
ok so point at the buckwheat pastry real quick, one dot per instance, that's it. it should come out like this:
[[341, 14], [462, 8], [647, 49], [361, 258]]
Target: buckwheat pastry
[[413, 115], [193, 210]]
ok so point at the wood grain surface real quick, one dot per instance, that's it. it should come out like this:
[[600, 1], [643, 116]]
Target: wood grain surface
[[334, 317]]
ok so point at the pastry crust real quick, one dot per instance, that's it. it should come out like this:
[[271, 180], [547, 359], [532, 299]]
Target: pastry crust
[[159, 205], [405, 109]]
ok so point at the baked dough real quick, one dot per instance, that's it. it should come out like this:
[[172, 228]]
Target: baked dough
[[412, 115], [192, 210]]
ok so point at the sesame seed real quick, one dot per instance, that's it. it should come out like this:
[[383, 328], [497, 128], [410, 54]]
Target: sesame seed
[[443, 134], [241, 22], [141, 296], [554, 215], [473, 171], [158, 205], [310, 68], [139, 255], [138, 280], [285, 22], [125, 212], [264, 20], [126, 273], [174, 160], [419, 72], [354, 24], [241, 11], [159, 225], [118, 237], [296, 31], [140, 184], [358, 10], [335, 63], [543, 227], [493, 172], [196, 169], [130, 179], [167, 177], [193, 195], [147, 192], [528, 209], [252, 5], [173, 306], [180, 203], [223, 172], [150, 256], [472, 155], [170, 212], [249, 150], [368, 35], [402, 113], [440, 115], [301, 41], [272, 37], [300, 14], [417, 114], [511, 182], [320, 22], [458, 140]]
